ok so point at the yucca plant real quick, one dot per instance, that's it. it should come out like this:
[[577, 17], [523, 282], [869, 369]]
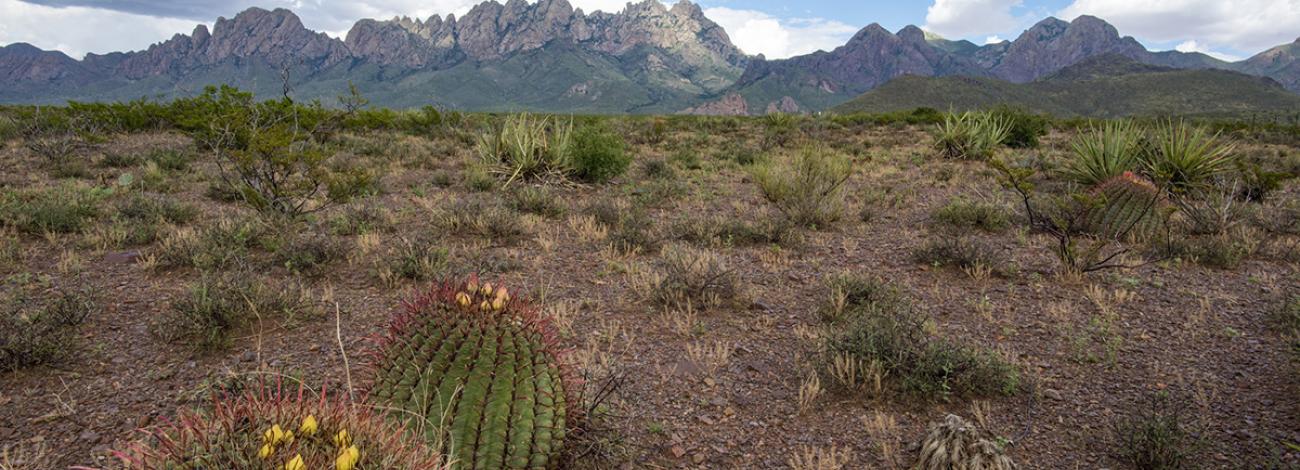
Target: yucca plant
[[527, 146], [472, 356], [1104, 152], [271, 426], [1184, 157], [970, 135]]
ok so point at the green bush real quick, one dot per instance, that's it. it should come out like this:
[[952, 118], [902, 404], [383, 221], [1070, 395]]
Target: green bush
[[874, 329], [218, 246], [308, 253], [62, 209], [958, 251], [537, 200], [725, 231], [416, 260], [962, 214], [597, 154], [807, 187], [1023, 128]]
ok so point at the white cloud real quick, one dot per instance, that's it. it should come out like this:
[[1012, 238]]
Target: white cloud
[[78, 30], [994, 39], [756, 32], [1193, 46], [971, 18], [1242, 25]]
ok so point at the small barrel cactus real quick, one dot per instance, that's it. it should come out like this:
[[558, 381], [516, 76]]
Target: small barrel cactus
[[270, 427], [1125, 205], [479, 370], [956, 444]]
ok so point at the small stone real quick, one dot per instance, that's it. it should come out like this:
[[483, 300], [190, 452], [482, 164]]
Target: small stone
[[698, 459], [678, 451], [1053, 394]]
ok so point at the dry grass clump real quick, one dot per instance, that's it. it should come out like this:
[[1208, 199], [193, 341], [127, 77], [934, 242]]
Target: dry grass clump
[[41, 332], [218, 305], [956, 444], [688, 276]]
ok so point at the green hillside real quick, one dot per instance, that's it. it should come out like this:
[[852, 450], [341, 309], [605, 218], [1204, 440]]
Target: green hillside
[[1104, 87]]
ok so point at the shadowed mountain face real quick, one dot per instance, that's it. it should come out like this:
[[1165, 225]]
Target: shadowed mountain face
[[1105, 86], [548, 56]]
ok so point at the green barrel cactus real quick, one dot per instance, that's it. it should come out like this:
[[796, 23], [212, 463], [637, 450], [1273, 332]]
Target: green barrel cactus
[[469, 363], [1122, 206]]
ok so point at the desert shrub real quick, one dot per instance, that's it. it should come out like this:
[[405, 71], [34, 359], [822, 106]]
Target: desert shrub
[[119, 160], [1104, 152], [729, 231], [218, 305], [851, 294], [807, 187], [689, 276], [956, 443], [1280, 216], [1223, 250], [510, 403], [875, 331], [1257, 182], [525, 146], [658, 169], [274, 154], [970, 136], [1288, 316], [308, 253], [963, 214], [270, 425], [959, 251], [41, 333], [217, 246], [1211, 210], [779, 129], [1157, 435], [634, 232], [141, 216], [597, 154], [362, 218], [1183, 157], [414, 259], [62, 209], [479, 179], [537, 200], [1023, 128], [170, 159]]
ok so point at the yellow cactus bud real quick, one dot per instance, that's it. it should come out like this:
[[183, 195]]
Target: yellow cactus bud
[[309, 426], [462, 299], [266, 451], [295, 463], [498, 304], [274, 435], [348, 458], [342, 439], [472, 287], [485, 306], [288, 437], [503, 295], [487, 289]]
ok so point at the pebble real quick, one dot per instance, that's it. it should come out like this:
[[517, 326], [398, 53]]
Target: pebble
[[1053, 394]]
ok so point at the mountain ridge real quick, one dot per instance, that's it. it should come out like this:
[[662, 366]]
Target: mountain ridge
[[646, 58]]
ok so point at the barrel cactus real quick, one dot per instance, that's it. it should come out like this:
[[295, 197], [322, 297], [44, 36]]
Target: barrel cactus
[[271, 426], [1123, 205], [478, 370]]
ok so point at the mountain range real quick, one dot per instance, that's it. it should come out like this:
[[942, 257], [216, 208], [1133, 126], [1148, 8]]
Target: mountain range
[[549, 56]]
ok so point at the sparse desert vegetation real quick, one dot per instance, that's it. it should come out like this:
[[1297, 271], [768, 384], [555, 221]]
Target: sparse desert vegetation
[[252, 279]]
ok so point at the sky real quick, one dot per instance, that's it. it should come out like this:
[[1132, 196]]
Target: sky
[[1228, 29]]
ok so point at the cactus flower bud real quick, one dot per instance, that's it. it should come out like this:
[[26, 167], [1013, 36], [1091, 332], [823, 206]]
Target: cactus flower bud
[[348, 458], [309, 426], [503, 295], [295, 464], [487, 289], [266, 451], [462, 299], [274, 436], [485, 306], [342, 439], [498, 304]]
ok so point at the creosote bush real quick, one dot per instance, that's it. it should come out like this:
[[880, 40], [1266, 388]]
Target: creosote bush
[[963, 214], [871, 330], [477, 358], [218, 246], [808, 187], [61, 209], [598, 154], [273, 426]]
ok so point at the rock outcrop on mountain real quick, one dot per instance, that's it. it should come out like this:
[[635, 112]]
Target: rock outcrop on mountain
[[669, 54]]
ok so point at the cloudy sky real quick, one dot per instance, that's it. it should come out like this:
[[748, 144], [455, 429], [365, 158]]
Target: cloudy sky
[[1230, 29]]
